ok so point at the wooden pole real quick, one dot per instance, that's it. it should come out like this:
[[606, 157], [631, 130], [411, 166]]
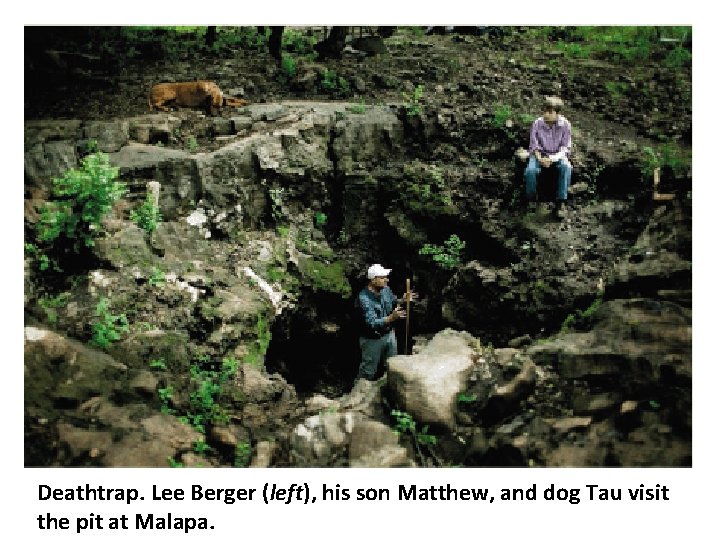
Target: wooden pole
[[407, 316]]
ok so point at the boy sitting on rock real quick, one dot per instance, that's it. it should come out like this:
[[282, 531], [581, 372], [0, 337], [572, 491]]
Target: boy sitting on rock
[[550, 142]]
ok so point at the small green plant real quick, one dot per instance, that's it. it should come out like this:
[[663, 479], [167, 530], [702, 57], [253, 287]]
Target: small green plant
[[405, 424], [158, 364], [466, 398], [191, 144], [69, 224], [297, 42], [256, 354], [526, 119], [501, 115], [579, 318], [328, 82], [42, 260], [344, 86], [243, 452], [574, 50], [51, 304], [277, 196], [283, 231], [157, 277], [200, 447], [145, 326], [166, 396], [678, 57], [174, 463], [147, 215], [332, 83], [288, 68], [249, 38], [208, 381], [449, 255], [358, 108], [617, 90], [667, 156], [320, 219], [275, 274], [108, 328], [413, 104]]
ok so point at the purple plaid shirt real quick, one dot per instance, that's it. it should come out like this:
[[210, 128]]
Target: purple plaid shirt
[[553, 139]]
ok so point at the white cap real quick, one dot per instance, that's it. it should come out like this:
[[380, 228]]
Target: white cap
[[376, 270]]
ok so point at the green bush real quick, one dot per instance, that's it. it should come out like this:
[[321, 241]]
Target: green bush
[[157, 277], [423, 190], [243, 452], [320, 219], [332, 83], [413, 104], [288, 68], [406, 425], [297, 42], [107, 328], [147, 215], [625, 44], [51, 304], [580, 318], [82, 197], [668, 156], [208, 383], [247, 38], [449, 255], [358, 108], [256, 354]]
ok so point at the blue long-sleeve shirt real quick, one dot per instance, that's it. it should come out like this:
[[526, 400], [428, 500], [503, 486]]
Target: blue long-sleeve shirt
[[374, 308]]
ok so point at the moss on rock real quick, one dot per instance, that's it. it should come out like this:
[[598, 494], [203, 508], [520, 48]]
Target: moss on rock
[[323, 276]]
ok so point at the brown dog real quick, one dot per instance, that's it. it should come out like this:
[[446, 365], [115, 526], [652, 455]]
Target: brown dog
[[203, 94]]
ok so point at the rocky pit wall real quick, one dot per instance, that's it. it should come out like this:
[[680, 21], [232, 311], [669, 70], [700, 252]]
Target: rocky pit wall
[[241, 250]]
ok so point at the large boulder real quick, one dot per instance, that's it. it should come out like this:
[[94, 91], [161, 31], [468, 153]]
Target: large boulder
[[366, 139], [346, 438], [426, 385], [639, 341], [110, 136], [373, 444], [61, 372], [322, 439], [44, 161]]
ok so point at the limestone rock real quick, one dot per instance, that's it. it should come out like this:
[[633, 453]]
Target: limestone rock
[[383, 457], [110, 136], [45, 161], [571, 423], [426, 385], [61, 371], [322, 438], [145, 383], [263, 456], [255, 385], [647, 338], [126, 248], [82, 442], [160, 437], [318, 403], [369, 435]]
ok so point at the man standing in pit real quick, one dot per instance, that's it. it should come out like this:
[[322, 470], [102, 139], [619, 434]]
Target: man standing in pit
[[378, 308]]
